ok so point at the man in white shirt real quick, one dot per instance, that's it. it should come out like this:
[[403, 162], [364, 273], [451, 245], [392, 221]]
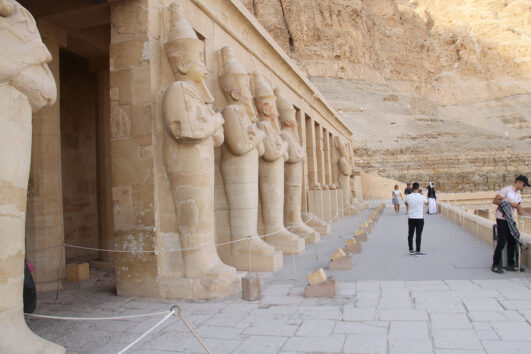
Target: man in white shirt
[[511, 194], [415, 208]]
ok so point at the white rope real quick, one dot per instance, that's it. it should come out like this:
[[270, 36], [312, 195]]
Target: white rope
[[176, 249], [94, 318], [147, 332]]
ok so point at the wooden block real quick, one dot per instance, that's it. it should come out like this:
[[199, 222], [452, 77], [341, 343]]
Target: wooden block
[[339, 253], [344, 263], [316, 277], [251, 289], [327, 288], [77, 271]]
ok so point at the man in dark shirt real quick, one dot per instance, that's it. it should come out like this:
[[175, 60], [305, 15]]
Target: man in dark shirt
[[408, 189]]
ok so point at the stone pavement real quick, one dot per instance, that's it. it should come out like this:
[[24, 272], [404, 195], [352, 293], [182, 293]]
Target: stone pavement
[[390, 302]]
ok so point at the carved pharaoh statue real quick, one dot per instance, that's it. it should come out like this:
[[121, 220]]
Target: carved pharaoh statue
[[345, 171], [192, 130], [271, 180], [26, 86], [293, 171], [239, 167]]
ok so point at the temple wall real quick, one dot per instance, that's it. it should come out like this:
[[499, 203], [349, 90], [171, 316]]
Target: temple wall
[[140, 73]]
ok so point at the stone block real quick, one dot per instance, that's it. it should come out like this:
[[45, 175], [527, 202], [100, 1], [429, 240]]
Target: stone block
[[360, 236], [327, 288], [343, 263], [352, 247], [339, 253], [77, 271], [251, 289], [293, 245], [316, 277]]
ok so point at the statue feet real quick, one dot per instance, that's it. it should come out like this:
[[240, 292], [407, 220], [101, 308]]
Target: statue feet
[[257, 246], [16, 337], [285, 241], [306, 232], [205, 263]]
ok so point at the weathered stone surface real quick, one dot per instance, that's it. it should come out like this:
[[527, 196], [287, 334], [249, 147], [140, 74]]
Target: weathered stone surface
[[326, 288], [344, 263], [251, 288], [339, 253], [353, 245], [316, 277]]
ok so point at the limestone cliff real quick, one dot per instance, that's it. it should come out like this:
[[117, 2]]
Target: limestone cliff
[[433, 89]]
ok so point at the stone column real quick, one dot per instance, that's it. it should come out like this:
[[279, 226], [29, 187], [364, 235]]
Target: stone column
[[311, 153], [103, 146], [132, 116], [44, 219], [327, 160], [319, 150], [302, 134]]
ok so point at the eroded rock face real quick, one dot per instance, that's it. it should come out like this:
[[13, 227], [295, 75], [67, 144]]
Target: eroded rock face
[[445, 43], [433, 89]]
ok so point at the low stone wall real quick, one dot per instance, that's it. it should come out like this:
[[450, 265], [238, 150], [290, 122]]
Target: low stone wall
[[479, 226]]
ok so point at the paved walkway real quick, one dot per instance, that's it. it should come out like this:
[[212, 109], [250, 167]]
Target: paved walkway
[[390, 302]]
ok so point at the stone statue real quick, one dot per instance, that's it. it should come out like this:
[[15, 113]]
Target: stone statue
[[192, 130], [271, 178], [26, 86], [345, 171], [239, 167], [293, 170]]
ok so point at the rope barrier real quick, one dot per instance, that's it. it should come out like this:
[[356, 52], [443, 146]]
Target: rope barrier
[[179, 313], [147, 332], [94, 318]]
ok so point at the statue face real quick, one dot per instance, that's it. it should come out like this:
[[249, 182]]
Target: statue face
[[267, 107], [288, 119]]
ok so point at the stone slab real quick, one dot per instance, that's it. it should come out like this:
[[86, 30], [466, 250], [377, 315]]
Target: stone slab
[[77, 271], [343, 263], [327, 288], [361, 237]]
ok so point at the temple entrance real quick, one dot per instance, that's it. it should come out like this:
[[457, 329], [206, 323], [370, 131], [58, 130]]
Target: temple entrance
[[70, 195]]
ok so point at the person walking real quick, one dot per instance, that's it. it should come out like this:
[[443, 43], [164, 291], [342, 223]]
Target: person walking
[[415, 206], [432, 199], [512, 195], [395, 195]]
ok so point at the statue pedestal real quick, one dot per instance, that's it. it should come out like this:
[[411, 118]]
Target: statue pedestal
[[317, 224], [206, 288], [293, 245], [259, 263]]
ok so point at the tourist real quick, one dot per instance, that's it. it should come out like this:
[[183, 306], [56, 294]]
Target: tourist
[[395, 195], [408, 188], [512, 195], [432, 199], [415, 206]]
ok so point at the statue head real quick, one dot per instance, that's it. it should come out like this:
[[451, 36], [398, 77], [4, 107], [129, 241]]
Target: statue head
[[264, 99], [287, 114], [24, 58], [235, 82], [186, 52], [341, 146]]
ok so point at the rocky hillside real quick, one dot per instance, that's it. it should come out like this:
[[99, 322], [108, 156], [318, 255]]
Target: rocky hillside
[[433, 89]]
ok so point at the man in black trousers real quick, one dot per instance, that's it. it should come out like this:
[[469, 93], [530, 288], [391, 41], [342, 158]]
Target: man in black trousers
[[415, 208]]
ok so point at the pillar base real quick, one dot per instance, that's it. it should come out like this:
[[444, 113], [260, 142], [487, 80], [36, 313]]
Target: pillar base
[[315, 223], [259, 263], [288, 246], [205, 288], [16, 337]]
